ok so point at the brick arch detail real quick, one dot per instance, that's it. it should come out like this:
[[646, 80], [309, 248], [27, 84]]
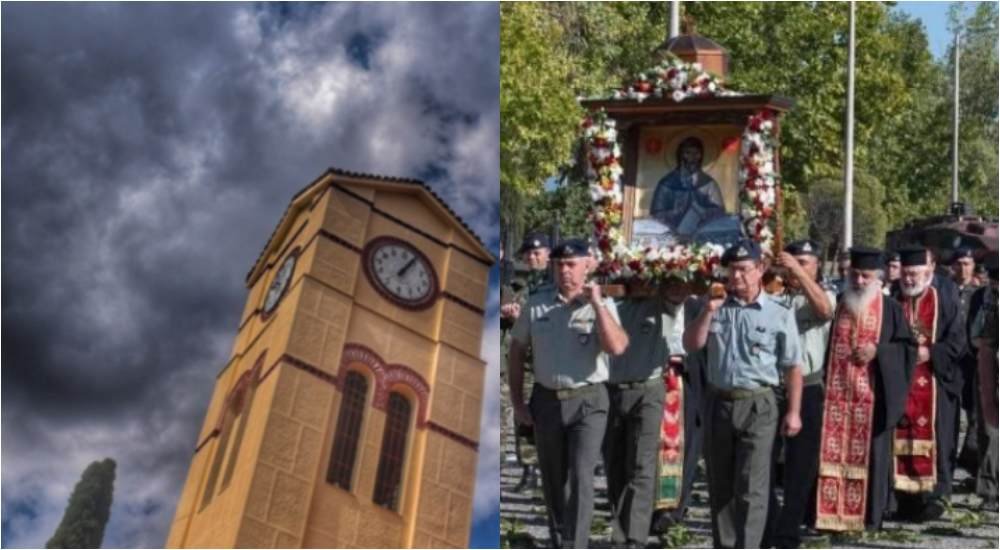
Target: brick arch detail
[[386, 376]]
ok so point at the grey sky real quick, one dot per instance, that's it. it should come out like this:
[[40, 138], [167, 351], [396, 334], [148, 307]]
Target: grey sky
[[148, 151]]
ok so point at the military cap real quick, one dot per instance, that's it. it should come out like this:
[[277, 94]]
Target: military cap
[[980, 269], [744, 249], [803, 247], [532, 241], [863, 257], [912, 255], [571, 248], [892, 256], [963, 252]]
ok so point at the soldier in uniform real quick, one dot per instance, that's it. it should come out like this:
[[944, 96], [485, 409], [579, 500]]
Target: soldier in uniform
[[752, 339], [892, 268], [983, 330], [572, 331], [963, 265], [813, 308], [636, 392], [534, 253]]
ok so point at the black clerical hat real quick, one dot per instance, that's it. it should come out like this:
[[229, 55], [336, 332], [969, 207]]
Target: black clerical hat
[[571, 248], [863, 257], [912, 255], [803, 247], [744, 249], [532, 241]]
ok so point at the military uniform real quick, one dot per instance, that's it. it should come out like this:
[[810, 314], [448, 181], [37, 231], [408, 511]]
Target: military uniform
[[968, 458], [517, 290], [636, 393], [801, 453], [568, 404], [984, 326], [748, 345]]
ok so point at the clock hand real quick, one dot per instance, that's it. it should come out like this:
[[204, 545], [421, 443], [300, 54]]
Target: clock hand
[[406, 267]]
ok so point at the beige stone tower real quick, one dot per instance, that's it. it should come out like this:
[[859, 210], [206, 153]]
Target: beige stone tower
[[348, 413]]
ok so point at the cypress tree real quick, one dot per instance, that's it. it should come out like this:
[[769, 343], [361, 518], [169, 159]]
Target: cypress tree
[[88, 510]]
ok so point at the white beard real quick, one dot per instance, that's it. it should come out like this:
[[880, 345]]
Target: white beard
[[916, 290], [859, 300]]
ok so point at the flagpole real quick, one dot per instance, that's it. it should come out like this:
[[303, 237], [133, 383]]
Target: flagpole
[[849, 146], [675, 18], [954, 137]]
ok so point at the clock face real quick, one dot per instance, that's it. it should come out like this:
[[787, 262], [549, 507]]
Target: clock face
[[401, 273], [280, 283]]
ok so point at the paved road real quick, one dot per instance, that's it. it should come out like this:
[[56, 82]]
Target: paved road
[[523, 524]]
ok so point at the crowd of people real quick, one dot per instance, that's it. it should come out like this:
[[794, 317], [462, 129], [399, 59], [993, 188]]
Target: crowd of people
[[827, 406]]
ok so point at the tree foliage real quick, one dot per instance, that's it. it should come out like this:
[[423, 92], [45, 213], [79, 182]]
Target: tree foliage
[[89, 508], [797, 49]]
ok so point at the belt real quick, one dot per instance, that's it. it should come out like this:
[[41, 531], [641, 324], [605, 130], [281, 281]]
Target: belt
[[570, 393], [648, 383], [737, 394], [813, 378]]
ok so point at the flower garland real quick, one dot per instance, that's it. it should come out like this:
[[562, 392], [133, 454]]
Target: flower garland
[[619, 260], [676, 79]]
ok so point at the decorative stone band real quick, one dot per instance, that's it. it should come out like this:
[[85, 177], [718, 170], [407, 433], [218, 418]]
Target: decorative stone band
[[456, 437], [386, 377]]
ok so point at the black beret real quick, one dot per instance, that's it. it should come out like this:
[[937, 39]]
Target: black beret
[[960, 253], [532, 241], [571, 248], [863, 257], [744, 249], [912, 256], [803, 247]]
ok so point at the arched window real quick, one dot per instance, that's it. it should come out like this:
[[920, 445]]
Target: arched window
[[345, 439], [389, 479]]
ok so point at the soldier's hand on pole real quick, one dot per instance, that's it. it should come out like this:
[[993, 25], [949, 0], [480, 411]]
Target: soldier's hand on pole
[[522, 415], [716, 297], [792, 424], [593, 293]]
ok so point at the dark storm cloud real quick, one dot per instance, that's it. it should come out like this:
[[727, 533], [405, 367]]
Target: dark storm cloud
[[148, 151]]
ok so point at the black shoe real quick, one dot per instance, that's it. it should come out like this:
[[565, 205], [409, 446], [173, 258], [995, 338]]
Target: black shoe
[[933, 510], [989, 504]]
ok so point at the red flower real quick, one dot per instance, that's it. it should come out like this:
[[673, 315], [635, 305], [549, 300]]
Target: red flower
[[671, 73]]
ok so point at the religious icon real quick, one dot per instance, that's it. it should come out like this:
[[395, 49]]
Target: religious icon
[[687, 186]]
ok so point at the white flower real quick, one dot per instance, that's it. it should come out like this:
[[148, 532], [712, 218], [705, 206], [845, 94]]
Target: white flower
[[696, 67], [712, 87], [677, 96]]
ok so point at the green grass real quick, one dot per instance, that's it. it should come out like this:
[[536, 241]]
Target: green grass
[[677, 536], [599, 527], [513, 536]]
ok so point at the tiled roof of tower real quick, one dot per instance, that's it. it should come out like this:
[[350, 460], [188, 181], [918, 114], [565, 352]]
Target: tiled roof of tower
[[377, 177]]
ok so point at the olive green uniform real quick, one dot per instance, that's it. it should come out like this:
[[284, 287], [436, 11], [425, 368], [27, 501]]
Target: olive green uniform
[[569, 405], [636, 393]]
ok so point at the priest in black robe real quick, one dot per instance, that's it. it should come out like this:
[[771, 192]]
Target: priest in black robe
[[945, 352], [891, 361]]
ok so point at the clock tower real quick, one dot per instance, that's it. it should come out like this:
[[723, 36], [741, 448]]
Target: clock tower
[[348, 412]]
